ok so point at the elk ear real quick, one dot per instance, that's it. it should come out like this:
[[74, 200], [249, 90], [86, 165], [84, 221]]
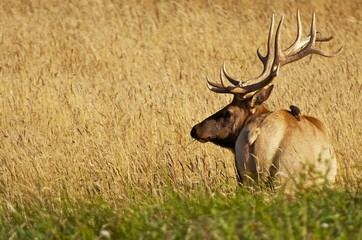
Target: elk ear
[[261, 96]]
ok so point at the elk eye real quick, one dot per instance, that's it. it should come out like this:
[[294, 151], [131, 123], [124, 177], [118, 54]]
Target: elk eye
[[227, 114]]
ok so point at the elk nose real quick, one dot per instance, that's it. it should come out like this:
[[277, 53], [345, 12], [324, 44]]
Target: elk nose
[[193, 132]]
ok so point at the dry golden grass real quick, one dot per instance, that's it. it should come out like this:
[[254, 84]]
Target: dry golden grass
[[97, 99]]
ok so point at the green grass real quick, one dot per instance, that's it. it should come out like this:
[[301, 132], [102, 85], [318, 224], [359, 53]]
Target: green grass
[[326, 214]]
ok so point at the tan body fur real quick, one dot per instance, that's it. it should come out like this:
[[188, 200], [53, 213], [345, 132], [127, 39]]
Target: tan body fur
[[276, 145]]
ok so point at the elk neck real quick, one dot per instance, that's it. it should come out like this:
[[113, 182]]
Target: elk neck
[[260, 111], [257, 113]]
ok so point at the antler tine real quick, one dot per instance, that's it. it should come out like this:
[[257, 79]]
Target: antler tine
[[301, 42], [314, 38], [326, 54], [262, 58], [270, 70], [313, 32], [278, 51], [226, 74], [213, 84], [266, 60], [231, 89], [222, 87], [297, 41], [303, 47], [274, 65], [215, 87]]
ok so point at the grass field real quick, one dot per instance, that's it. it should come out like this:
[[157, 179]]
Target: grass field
[[97, 101]]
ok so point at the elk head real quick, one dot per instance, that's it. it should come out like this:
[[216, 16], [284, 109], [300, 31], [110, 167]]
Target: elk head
[[223, 127]]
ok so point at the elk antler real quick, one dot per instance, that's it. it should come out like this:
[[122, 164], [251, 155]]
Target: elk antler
[[274, 59], [302, 47]]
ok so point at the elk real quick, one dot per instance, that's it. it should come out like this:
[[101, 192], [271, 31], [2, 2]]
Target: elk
[[270, 146]]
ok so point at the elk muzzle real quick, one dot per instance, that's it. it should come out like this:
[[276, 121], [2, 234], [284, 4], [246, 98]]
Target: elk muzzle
[[198, 134]]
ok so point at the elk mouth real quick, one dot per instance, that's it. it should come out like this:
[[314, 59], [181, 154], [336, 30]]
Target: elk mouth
[[202, 140]]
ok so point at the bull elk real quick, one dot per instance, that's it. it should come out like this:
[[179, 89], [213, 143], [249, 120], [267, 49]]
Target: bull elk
[[270, 145]]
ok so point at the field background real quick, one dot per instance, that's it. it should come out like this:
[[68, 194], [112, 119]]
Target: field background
[[97, 99]]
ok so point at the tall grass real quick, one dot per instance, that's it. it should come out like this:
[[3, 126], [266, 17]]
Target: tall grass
[[97, 98]]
